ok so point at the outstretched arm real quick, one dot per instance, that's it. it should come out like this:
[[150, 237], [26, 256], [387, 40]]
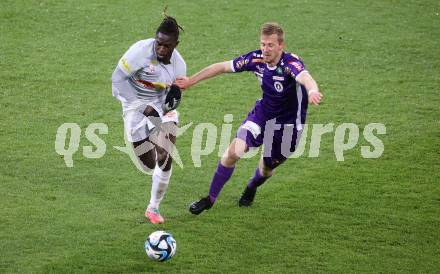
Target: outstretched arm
[[311, 86], [208, 72]]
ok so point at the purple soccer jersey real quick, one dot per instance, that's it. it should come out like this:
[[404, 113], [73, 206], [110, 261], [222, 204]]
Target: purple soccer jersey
[[283, 99]]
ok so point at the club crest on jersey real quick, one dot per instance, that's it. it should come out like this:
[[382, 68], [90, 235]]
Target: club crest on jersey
[[279, 70], [151, 69], [278, 86]]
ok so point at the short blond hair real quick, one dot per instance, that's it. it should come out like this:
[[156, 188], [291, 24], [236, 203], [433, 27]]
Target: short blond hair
[[270, 28]]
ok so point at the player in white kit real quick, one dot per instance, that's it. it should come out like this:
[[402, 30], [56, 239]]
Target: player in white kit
[[143, 83]]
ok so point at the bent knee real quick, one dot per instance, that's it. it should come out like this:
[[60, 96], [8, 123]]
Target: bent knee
[[229, 158], [266, 172], [162, 157], [147, 164]]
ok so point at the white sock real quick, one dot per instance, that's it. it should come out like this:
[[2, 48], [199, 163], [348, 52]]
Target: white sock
[[160, 184]]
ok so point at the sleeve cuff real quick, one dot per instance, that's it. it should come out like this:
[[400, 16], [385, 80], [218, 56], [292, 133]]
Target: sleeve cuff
[[296, 77], [232, 65]]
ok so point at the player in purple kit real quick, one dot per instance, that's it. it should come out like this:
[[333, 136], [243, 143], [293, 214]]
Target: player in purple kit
[[276, 120]]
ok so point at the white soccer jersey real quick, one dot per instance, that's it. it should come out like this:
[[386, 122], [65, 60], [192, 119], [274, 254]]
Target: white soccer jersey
[[148, 77]]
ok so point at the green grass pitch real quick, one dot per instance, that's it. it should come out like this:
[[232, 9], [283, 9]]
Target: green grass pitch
[[375, 61]]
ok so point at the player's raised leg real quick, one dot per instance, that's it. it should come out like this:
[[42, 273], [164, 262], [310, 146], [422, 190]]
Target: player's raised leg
[[164, 140], [224, 170]]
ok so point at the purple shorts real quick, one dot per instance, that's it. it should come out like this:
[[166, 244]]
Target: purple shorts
[[279, 136]]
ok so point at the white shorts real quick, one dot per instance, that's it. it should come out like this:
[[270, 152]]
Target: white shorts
[[135, 122]]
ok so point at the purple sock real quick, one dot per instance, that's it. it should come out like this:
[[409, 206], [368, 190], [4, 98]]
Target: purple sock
[[257, 180], [221, 176]]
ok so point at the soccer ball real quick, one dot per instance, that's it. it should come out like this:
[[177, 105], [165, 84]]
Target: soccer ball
[[160, 246]]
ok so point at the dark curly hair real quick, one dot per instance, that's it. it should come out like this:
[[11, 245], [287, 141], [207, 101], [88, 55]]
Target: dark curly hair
[[170, 27]]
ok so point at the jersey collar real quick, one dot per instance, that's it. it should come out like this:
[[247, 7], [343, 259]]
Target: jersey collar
[[277, 65]]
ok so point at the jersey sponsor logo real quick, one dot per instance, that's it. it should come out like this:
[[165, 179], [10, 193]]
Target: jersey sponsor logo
[[297, 65], [257, 60], [157, 86], [240, 63], [278, 86], [278, 78], [252, 127]]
